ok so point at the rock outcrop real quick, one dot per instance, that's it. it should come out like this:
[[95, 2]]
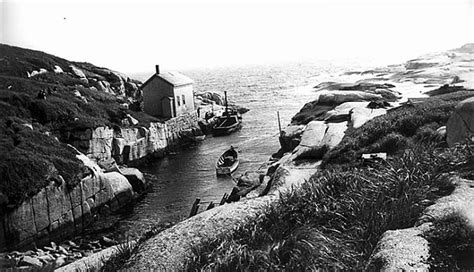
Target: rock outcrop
[[317, 138], [290, 137], [408, 249], [404, 250], [246, 183], [460, 127], [129, 144], [57, 212], [339, 97]]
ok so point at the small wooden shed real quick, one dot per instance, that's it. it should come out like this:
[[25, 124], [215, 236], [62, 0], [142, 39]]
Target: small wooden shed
[[168, 94]]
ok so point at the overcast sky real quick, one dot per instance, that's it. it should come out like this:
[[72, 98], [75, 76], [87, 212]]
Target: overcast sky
[[133, 36]]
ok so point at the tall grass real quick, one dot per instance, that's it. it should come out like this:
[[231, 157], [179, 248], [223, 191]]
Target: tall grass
[[397, 127], [336, 218]]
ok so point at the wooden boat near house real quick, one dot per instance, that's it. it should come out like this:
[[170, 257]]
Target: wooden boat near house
[[229, 122]]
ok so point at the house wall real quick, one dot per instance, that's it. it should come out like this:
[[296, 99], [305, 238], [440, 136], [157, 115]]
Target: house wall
[[153, 92], [187, 91]]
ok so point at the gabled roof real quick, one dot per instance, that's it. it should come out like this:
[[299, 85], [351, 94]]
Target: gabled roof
[[174, 78]]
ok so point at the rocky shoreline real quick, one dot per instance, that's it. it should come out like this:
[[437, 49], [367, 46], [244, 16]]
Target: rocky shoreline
[[318, 128], [348, 106]]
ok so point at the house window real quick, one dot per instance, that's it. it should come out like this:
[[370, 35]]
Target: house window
[[184, 99], [177, 101]]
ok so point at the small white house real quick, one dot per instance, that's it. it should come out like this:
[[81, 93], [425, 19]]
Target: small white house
[[168, 94]]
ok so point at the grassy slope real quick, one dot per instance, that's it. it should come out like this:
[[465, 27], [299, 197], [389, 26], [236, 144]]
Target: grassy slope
[[29, 156], [397, 129], [336, 218]]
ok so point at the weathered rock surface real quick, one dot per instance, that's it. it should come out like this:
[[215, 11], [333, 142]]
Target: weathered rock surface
[[311, 145], [96, 261], [262, 189], [248, 181], [318, 137], [339, 97], [460, 127], [459, 202], [31, 261], [290, 137], [406, 249], [135, 178], [131, 143], [210, 98], [120, 187], [401, 250], [78, 72], [360, 116], [56, 211]]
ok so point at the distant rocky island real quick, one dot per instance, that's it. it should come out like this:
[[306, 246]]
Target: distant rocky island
[[373, 174]]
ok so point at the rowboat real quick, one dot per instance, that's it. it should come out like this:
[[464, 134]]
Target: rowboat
[[227, 162]]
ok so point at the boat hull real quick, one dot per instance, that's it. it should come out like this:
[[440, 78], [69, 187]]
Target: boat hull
[[225, 171], [227, 163], [227, 125], [219, 131]]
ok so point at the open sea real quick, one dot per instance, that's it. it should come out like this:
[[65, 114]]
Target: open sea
[[189, 173]]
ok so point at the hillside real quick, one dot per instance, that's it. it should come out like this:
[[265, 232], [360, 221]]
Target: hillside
[[42, 99]]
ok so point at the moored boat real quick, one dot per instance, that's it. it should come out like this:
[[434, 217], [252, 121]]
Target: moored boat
[[227, 162], [226, 124], [229, 122]]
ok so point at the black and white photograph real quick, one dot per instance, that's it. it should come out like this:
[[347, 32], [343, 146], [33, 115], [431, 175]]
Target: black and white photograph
[[236, 135]]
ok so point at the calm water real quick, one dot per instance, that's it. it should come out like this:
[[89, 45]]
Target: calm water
[[189, 173]]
